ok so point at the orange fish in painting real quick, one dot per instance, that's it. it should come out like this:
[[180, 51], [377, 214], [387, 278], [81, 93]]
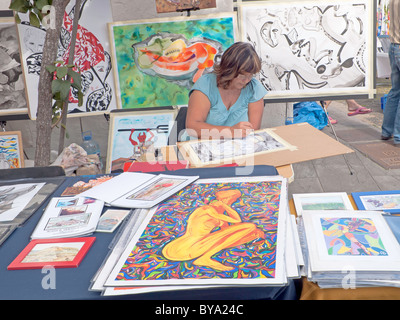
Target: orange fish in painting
[[179, 59]]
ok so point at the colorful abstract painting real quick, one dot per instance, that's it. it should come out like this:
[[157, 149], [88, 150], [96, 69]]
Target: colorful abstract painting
[[208, 231], [352, 236], [11, 152], [312, 48], [157, 61]]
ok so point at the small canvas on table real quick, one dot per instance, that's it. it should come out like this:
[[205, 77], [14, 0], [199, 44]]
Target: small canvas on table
[[321, 201], [387, 201]]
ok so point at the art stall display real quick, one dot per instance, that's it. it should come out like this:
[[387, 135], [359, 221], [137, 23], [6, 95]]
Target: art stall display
[[211, 233], [68, 217], [56, 253], [163, 6], [312, 49], [386, 201], [135, 134], [11, 150], [207, 152], [157, 61], [341, 242], [321, 201], [12, 85], [138, 190], [92, 56]]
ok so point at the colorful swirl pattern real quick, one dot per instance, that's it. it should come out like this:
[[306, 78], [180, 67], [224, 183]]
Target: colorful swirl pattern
[[259, 204]]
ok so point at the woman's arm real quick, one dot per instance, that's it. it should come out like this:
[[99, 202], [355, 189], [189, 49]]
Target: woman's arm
[[196, 125], [256, 110]]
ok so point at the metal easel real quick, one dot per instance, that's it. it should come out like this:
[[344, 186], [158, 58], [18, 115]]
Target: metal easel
[[334, 133]]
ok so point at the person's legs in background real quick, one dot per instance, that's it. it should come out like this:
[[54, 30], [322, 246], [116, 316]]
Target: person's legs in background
[[391, 114]]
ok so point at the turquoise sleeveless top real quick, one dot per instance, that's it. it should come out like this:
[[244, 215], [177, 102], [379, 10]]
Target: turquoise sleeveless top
[[219, 115]]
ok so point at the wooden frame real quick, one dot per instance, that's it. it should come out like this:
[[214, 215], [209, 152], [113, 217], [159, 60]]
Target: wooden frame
[[91, 56], [35, 254], [155, 125], [205, 152], [13, 101], [11, 150]]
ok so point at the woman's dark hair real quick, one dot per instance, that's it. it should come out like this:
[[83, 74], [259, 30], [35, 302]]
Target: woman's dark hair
[[238, 58]]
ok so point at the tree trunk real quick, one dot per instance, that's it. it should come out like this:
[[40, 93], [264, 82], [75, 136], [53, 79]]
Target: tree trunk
[[45, 100]]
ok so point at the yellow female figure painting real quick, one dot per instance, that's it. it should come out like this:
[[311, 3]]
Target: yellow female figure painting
[[201, 241], [212, 230]]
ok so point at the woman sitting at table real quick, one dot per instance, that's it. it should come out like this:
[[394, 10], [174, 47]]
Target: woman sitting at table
[[228, 102]]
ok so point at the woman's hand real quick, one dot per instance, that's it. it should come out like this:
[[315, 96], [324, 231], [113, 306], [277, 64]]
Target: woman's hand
[[242, 129]]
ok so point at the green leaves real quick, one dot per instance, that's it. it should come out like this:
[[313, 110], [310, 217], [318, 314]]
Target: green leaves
[[33, 6], [64, 78]]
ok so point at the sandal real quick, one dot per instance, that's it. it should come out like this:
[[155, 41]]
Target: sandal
[[360, 110], [332, 121]]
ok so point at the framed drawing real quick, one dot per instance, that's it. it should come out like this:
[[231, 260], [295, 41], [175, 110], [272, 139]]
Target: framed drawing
[[11, 150], [312, 50], [91, 56], [12, 92], [164, 6], [387, 201], [208, 152], [321, 201], [157, 61], [135, 133], [184, 241], [58, 253], [362, 240]]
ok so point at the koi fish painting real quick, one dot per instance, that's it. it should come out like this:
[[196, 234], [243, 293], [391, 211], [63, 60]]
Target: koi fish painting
[[157, 61]]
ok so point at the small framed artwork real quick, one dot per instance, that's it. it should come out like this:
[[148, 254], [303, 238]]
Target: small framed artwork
[[330, 246], [11, 151], [387, 201], [137, 134], [305, 202], [58, 253]]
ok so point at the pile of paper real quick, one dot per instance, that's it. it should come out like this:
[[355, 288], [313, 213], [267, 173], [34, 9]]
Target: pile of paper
[[349, 248], [225, 232]]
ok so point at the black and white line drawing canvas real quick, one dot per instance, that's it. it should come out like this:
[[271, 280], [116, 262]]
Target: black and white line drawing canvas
[[310, 48]]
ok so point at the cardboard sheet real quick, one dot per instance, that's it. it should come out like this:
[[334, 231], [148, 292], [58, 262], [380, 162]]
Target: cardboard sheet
[[307, 143]]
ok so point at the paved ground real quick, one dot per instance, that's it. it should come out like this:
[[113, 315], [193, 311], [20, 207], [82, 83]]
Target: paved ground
[[353, 172]]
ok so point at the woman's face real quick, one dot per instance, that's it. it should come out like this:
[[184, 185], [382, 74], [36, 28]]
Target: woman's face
[[241, 80]]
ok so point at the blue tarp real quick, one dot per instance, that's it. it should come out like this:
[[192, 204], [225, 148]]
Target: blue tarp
[[310, 112]]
